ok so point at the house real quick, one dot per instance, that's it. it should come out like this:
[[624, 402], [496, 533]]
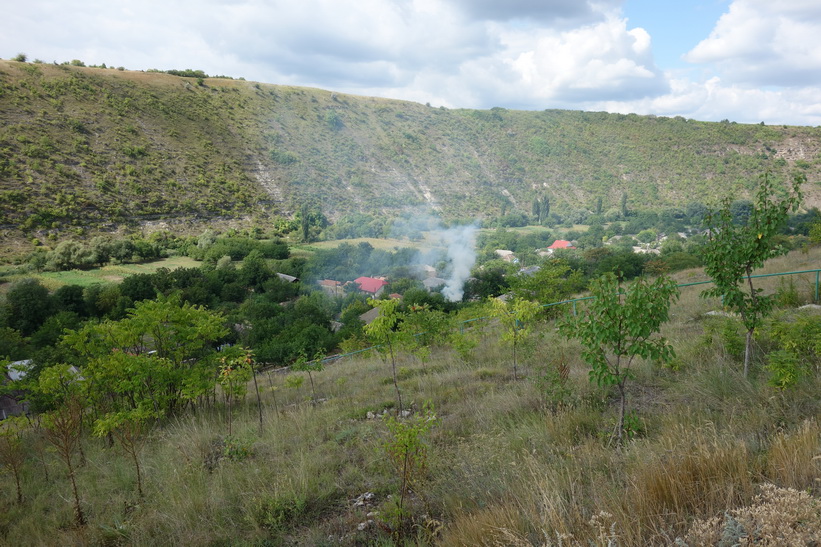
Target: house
[[530, 270], [428, 270], [331, 287], [371, 285], [433, 283], [370, 315], [505, 255], [561, 244], [13, 403], [287, 278], [558, 244]]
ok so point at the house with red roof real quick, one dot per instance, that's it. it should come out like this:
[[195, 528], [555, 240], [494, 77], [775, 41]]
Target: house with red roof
[[558, 244], [561, 244], [372, 285]]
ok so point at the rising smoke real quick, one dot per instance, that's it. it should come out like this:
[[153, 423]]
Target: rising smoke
[[457, 248], [461, 253]]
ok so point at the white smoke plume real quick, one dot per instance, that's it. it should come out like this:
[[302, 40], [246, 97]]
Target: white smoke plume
[[456, 246], [460, 242]]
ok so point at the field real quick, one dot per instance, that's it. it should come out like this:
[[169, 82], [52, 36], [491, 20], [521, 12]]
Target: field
[[106, 274]]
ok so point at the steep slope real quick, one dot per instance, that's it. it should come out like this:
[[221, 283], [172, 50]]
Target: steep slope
[[99, 147]]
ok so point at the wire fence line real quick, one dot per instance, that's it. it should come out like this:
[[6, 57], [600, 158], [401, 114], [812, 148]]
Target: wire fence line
[[572, 302]]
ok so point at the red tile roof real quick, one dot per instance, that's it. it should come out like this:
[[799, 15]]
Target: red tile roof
[[370, 284], [561, 244]]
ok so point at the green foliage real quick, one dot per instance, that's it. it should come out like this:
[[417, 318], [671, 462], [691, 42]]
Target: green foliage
[[386, 337], [12, 450], [27, 306], [408, 455], [516, 317], [278, 513], [620, 325], [349, 156], [302, 364], [554, 281], [797, 339], [785, 368], [733, 250], [155, 358]]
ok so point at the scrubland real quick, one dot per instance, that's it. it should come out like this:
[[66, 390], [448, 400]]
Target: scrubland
[[712, 457]]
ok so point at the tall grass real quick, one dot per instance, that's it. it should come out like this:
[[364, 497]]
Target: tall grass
[[510, 462]]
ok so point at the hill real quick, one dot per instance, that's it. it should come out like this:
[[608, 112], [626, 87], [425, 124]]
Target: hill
[[94, 147]]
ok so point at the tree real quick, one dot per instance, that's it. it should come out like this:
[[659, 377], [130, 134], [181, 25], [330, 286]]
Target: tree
[[733, 251], [129, 428], [164, 342], [12, 453], [383, 331], [302, 364], [554, 281], [62, 428], [235, 371], [27, 305], [408, 453], [515, 316], [620, 325]]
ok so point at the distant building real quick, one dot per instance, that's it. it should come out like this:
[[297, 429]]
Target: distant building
[[333, 288], [433, 283], [370, 315], [561, 244], [371, 285], [558, 244], [505, 255], [530, 270], [287, 278], [13, 403]]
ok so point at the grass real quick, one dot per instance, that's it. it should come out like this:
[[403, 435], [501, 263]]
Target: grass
[[107, 274], [506, 465]]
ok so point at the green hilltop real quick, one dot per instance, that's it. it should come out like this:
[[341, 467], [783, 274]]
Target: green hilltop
[[99, 148]]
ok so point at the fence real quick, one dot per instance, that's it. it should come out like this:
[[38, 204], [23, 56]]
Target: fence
[[574, 301]]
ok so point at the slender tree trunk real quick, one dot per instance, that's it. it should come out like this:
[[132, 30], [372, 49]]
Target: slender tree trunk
[[139, 474], [79, 518], [313, 391], [229, 413], [515, 372], [395, 381], [19, 488], [748, 352], [259, 400], [622, 406]]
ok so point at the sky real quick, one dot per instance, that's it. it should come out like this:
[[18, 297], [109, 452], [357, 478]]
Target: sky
[[747, 61]]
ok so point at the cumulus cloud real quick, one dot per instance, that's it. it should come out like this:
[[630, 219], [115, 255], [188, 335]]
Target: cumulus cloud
[[562, 12], [765, 43], [762, 61]]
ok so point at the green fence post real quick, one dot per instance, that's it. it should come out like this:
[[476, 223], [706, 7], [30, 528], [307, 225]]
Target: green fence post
[[817, 274], [574, 307]]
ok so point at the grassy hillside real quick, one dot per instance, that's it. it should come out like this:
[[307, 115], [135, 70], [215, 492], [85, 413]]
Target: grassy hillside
[[508, 462], [91, 147]]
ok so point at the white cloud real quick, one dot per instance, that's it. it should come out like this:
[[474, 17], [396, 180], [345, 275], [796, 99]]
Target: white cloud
[[765, 43], [714, 100], [762, 60]]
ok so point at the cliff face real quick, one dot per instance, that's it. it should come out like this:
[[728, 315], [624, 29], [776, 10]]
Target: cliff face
[[98, 147]]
